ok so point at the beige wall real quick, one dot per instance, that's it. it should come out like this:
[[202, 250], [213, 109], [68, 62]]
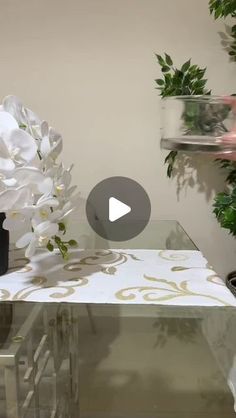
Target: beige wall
[[88, 66]]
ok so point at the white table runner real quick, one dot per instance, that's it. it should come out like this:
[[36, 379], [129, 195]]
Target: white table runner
[[163, 277]]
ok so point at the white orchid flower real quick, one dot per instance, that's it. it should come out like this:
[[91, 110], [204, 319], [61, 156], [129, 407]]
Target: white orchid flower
[[14, 107], [25, 117], [35, 192], [60, 214], [34, 178], [41, 211], [38, 238], [62, 180], [7, 123], [14, 199], [51, 143], [16, 146], [17, 219]]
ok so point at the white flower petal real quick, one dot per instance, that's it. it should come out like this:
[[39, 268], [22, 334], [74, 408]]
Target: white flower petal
[[24, 240], [45, 147], [47, 201], [15, 199], [44, 128], [7, 123], [17, 139], [32, 118], [46, 186], [66, 178], [14, 220], [31, 248], [9, 182], [56, 215], [6, 164], [13, 105], [30, 176], [56, 143], [46, 229]]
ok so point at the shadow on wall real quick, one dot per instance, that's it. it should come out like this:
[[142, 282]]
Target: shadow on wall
[[200, 172], [227, 41]]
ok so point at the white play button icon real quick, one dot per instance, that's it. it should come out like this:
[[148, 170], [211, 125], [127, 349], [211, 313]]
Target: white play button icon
[[117, 209]]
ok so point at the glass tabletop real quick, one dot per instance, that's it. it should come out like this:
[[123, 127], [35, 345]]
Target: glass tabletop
[[158, 234]]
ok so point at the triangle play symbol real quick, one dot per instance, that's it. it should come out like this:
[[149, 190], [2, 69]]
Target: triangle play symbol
[[117, 209]]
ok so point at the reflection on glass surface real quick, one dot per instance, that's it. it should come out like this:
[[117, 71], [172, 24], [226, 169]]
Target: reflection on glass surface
[[158, 234], [153, 362], [117, 361]]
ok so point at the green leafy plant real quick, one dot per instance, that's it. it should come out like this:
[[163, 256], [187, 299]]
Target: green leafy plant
[[230, 168], [223, 9], [225, 202], [185, 81], [225, 210]]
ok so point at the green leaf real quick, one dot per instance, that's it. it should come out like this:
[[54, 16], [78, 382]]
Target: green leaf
[[50, 246], [57, 240], [170, 160], [222, 8], [201, 73], [62, 226], [160, 82], [73, 243], [186, 66], [165, 69], [171, 157], [200, 83], [169, 170], [63, 247], [219, 11], [168, 60], [161, 60], [179, 74]]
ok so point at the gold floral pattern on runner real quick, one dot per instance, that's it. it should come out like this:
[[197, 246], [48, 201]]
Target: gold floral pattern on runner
[[182, 268], [58, 291], [155, 293], [21, 265], [173, 256], [112, 259], [213, 278]]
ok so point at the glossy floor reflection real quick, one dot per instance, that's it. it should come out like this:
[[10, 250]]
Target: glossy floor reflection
[[147, 367]]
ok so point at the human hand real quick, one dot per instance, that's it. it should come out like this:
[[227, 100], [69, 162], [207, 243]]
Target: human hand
[[230, 137]]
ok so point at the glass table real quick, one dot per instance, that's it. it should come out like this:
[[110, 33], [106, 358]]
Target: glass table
[[117, 361]]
